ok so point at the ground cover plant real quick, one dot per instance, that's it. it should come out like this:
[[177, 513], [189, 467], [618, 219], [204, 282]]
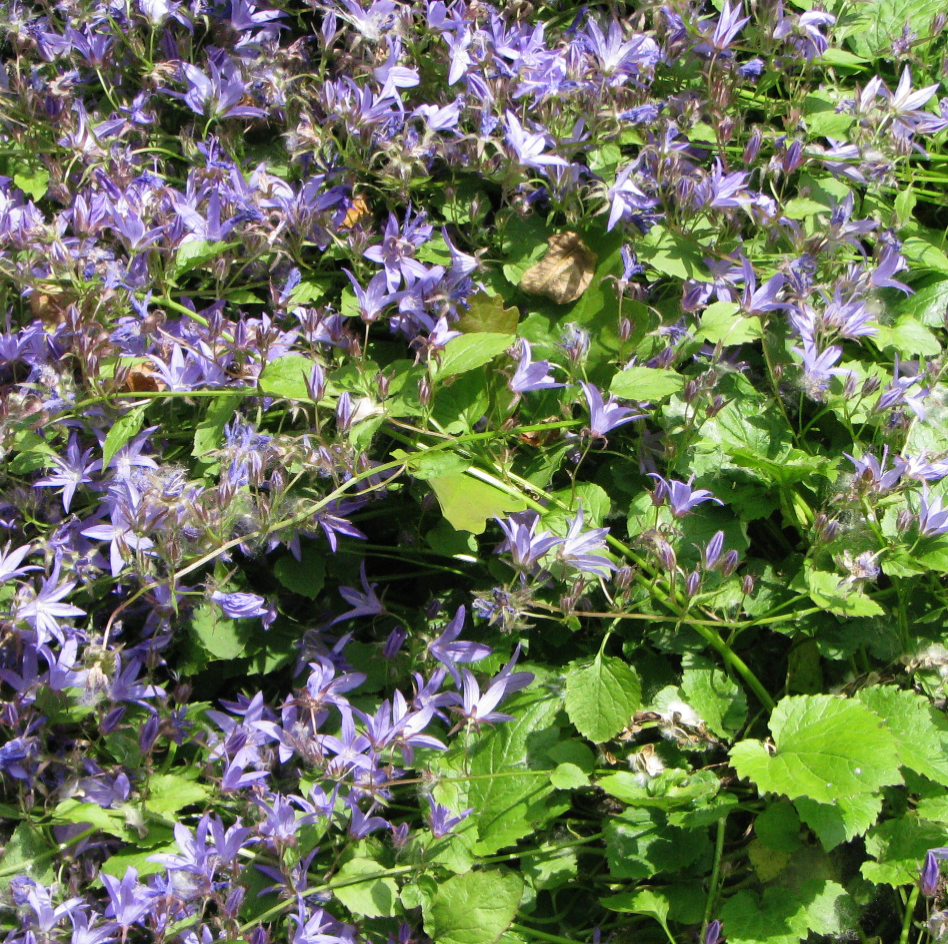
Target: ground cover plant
[[473, 473]]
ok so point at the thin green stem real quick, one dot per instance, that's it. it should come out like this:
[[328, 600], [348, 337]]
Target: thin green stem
[[715, 875], [907, 919]]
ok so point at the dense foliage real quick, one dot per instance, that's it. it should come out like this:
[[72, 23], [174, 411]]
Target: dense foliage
[[473, 473]]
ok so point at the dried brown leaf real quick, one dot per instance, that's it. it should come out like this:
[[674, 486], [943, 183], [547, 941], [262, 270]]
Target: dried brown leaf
[[565, 271]]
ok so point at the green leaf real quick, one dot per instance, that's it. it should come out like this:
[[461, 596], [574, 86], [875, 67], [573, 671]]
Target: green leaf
[[602, 697], [117, 865], [307, 292], [829, 124], [286, 377], [487, 314], [899, 847], [471, 351], [168, 793], [673, 254], [508, 790], [640, 844], [454, 851], [461, 403], [785, 917], [825, 591], [778, 827], [671, 790], [196, 253], [644, 901], [705, 811], [469, 503], [722, 323], [908, 336], [934, 809], [432, 465], [524, 243], [719, 701], [927, 305], [847, 818], [475, 908], [449, 542], [374, 896], [33, 181], [419, 893], [26, 853], [800, 208], [921, 732], [306, 576], [550, 868], [594, 500], [839, 57], [33, 453], [111, 822], [123, 431], [904, 204], [569, 777], [923, 255], [748, 422], [208, 433], [573, 752], [872, 34], [826, 748], [242, 296], [219, 636], [646, 383]]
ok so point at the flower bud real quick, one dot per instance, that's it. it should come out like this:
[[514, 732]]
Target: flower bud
[[710, 555], [929, 876], [693, 583], [400, 835], [731, 560], [625, 329], [316, 383], [753, 147], [234, 901], [904, 520], [394, 642], [259, 935], [666, 556], [869, 386], [344, 412], [112, 719], [149, 734], [829, 531], [327, 35], [747, 585], [793, 158]]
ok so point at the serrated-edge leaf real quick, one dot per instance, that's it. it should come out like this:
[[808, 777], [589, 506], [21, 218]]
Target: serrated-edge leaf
[[601, 697], [475, 908], [826, 748]]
